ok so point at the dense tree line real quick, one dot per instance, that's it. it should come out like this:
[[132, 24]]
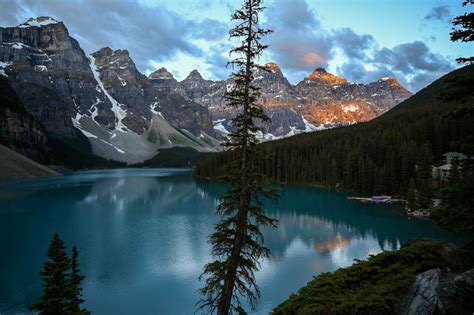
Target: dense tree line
[[378, 157]]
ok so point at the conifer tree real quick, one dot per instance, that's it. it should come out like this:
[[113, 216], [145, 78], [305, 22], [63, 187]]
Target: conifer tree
[[75, 289], [55, 283], [411, 195], [424, 176], [463, 31], [237, 243]]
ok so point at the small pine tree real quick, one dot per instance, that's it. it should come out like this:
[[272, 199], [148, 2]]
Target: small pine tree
[[55, 283], [75, 289]]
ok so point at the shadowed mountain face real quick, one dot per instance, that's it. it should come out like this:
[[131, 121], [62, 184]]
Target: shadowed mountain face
[[18, 129], [127, 116], [102, 95]]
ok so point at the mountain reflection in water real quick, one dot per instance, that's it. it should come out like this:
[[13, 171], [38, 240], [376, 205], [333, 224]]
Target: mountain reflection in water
[[142, 237]]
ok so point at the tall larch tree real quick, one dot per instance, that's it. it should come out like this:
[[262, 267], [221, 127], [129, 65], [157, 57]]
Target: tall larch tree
[[55, 298], [237, 242]]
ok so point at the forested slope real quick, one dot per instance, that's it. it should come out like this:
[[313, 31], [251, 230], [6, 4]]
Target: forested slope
[[380, 156]]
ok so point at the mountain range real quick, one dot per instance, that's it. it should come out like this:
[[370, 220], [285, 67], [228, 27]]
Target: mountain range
[[127, 116]]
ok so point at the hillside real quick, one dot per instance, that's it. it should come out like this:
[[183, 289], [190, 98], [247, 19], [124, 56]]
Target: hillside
[[373, 157], [17, 166]]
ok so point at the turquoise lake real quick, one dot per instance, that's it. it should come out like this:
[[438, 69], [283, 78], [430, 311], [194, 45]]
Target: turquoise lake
[[142, 237]]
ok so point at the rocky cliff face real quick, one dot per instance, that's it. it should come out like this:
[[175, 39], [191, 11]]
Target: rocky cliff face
[[127, 116], [322, 100], [19, 130], [102, 95]]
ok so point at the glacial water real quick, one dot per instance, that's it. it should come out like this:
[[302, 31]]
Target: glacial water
[[142, 237]]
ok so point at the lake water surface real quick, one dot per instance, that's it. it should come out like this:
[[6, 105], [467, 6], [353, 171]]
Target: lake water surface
[[142, 237]]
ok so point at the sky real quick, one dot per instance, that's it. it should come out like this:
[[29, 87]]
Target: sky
[[361, 40]]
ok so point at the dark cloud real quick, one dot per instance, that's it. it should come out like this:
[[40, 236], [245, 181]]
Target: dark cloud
[[353, 45], [149, 33], [299, 43], [439, 13], [411, 57], [411, 63]]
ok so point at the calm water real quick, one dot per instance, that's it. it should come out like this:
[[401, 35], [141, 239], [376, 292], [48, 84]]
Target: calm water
[[142, 234]]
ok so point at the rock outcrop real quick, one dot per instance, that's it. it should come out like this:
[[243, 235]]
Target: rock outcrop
[[423, 297], [18, 129], [437, 291]]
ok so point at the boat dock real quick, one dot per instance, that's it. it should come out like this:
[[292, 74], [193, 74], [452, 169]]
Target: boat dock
[[377, 199]]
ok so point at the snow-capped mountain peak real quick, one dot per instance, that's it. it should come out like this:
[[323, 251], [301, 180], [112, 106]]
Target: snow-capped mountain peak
[[38, 22]]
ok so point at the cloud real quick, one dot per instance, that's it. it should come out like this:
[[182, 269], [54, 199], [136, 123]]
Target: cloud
[[412, 63], [439, 13], [149, 33], [299, 43], [217, 60], [353, 45], [156, 35], [412, 57]]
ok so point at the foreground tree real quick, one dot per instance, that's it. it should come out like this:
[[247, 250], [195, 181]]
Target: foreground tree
[[462, 87], [463, 31], [61, 282], [75, 289], [55, 283], [237, 242]]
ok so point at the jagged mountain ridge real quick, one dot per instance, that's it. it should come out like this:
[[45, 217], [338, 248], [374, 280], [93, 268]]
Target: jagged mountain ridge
[[125, 115], [319, 101]]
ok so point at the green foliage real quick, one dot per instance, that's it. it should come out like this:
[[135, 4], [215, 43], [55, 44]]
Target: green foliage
[[61, 282], [237, 243], [463, 31], [75, 289], [374, 286], [456, 211], [55, 285], [424, 176], [376, 157], [411, 196]]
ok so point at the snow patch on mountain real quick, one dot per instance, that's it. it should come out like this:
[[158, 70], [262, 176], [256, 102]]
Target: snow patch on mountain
[[76, 121], [120, 113], [3, 65], [38, 22], [219, 126], [309, 127]]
